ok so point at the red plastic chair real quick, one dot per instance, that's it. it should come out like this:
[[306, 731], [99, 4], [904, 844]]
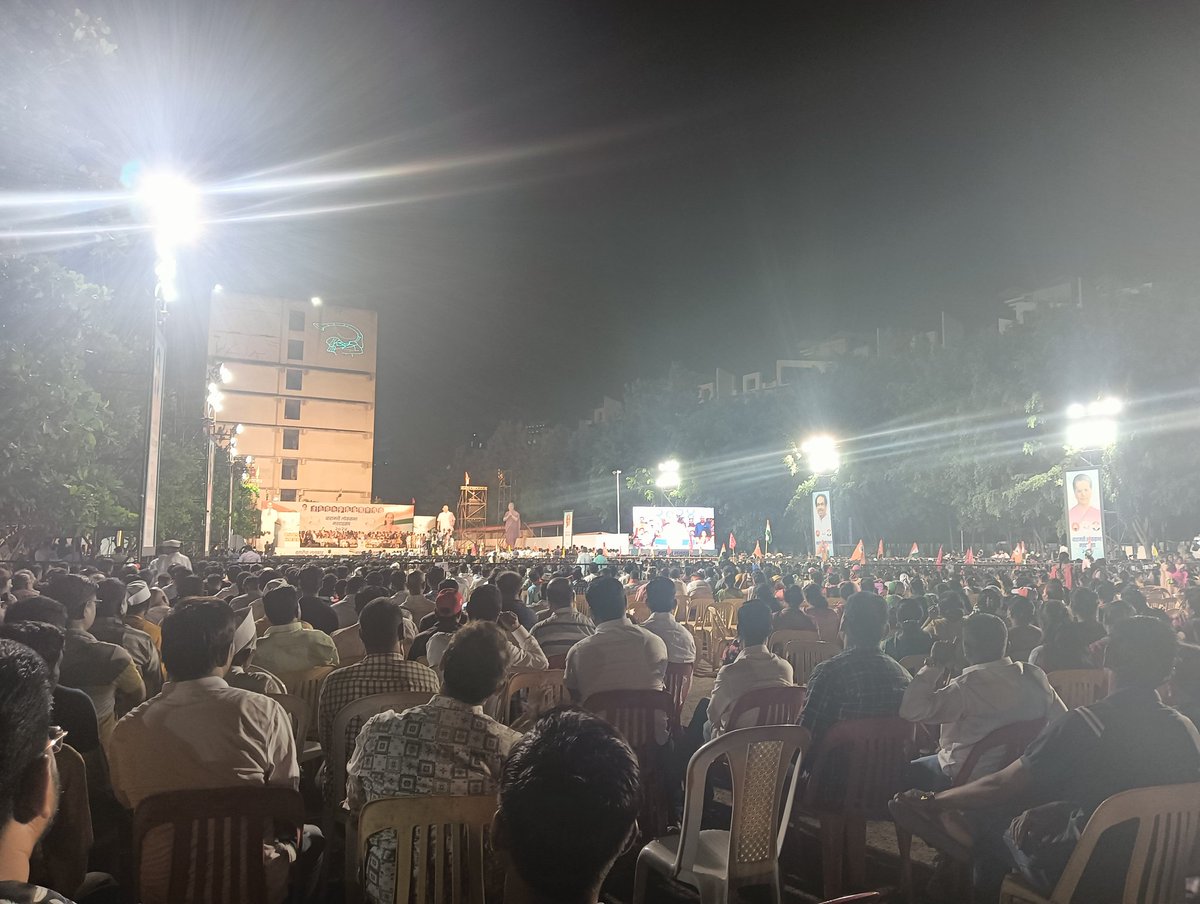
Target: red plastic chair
[[767, 706], [859, 767], [641, 717], [1011, 740], [678, 683]]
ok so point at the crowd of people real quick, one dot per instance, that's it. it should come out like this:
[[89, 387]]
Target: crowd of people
[[120, 683]]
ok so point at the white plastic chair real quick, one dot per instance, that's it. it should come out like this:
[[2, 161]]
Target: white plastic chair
[[716, 861]]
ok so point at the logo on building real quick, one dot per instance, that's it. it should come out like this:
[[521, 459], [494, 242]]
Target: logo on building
[[342, 338]]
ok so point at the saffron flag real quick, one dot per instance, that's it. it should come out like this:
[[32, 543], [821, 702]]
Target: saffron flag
[[768, 532], [969, 558], [915, 551], [859, 554], [724, 549], [879, 555], [757, 550], [1068, 578], [939, 559], [732, 541]]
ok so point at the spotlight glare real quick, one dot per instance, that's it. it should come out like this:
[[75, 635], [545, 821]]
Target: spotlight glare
[[316, 301], [240, 429], [226, 374], [822, 454]]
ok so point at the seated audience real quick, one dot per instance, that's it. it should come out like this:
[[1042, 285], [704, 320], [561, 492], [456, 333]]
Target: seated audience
[[910, 638], [509, 585], [1083, 605], [816, 607], [792, 616], [382, 670], [564, 627], [288, 646], [860, 682], [1023, 635], [1062, 645], [111, 628], [315, 609], [568, 808], [447, 746], [524, 653], [755, 667], [245, 645], [660, 597], [418, 606], [993, 691]]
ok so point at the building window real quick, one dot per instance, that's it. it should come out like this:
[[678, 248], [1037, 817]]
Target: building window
[[295, 349], [290, 468], [296, 321], [287, 495], [291, 409], [294, 380], [291, 438]]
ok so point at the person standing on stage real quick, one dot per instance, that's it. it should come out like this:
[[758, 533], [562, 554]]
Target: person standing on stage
[[512, 526]]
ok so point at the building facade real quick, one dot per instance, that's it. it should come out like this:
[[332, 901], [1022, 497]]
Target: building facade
[[302, 384]]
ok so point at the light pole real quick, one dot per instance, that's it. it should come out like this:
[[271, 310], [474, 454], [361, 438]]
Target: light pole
[[218, 376], [171, 207], [617, 475], [247, 462]]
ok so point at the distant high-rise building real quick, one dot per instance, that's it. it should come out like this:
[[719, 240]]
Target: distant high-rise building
[[303, 385]]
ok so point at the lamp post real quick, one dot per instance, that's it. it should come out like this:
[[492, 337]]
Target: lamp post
[[617, 475], [218, 376], [171, 207]]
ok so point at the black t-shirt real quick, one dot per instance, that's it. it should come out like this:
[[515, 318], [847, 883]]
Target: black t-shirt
[[420, 644], [318, 612], [75, 712], [524, 614]]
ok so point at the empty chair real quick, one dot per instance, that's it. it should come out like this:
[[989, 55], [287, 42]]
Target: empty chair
[[1168, 827], [544, 691], [858, 769], [767, 706], [646, 719], [300, 712], [455, 859], [307, 686], [678, 683], [215, 843], [778, 641], [1079, 687], [718, 862], [804, 655]]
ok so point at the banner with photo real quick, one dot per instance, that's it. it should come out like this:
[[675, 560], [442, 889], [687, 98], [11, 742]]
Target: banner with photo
[[1085, 513], [668, 528], [822, 512], [568, 528], [354, 526]]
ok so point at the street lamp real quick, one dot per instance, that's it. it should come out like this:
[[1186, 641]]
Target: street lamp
[[821, 453], [668, 475], [172, 208], [617, 475], [1093, 426]]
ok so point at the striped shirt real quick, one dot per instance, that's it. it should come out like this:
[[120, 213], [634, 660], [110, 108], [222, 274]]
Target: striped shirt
[[562, 630]]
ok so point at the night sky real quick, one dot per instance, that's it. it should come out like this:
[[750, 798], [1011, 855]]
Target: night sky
[[584, 192]]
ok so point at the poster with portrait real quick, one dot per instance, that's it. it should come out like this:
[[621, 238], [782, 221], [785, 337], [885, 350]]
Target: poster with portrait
[[822, 523], [354, 526], [1085, 513]]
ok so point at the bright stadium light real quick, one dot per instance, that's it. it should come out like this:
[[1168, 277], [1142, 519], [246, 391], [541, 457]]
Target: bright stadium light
[[172, 206], [1093, 426], [316, 301], [821, 453], [240, 429], [668, 475], [226, 374]]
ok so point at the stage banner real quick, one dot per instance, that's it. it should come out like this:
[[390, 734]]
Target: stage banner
[[568, 528], [359, 526], [822, 512], [667, 528], [1085, 513]]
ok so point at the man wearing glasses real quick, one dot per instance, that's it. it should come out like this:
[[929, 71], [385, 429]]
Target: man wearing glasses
[[28, 775]]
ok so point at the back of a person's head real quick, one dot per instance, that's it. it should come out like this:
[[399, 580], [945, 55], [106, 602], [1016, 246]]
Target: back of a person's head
[[1084, 603], [1115, 611], [559, 593], [110, 598], [484, 604], [754, 623], [189, 585], [37, 608], [847, 589], [985, 637], [435, 575], [864, 618], [910, 610], [197, 638], [397, 581], [793, 596], [414, 582], [368, 594], [815, 597], [25, 704], [606, 599], [1021, 610], [568, 804], [1141, 651], [74, 591], [310, 579], [660, 595], [509, 583], [952, 605], [1133, 596], [281, 605], [379, 623], [44, 639], [475, 662]]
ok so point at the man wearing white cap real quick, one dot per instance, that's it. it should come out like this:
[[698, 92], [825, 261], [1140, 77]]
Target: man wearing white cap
[[170, 556]]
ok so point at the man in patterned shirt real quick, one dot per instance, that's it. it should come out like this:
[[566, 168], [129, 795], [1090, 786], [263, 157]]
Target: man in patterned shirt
[[382, 670], [564, 627], [447, 746], [861, 682]]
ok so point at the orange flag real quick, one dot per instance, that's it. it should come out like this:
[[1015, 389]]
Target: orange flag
[[879, 555], [969, 558], [916, 550], [724, 549], [860, 554], [757, 549], [939, 559]]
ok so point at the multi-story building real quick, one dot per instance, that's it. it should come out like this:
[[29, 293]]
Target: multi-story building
[[302, 382]]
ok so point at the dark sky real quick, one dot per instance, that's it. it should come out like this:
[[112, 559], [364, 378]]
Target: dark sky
[[595, 189]]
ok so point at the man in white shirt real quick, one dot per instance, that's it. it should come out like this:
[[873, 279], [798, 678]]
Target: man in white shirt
[[992, 692], [755, 667], [170, 556], [620, 656], [660, 597], [445, 522]]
